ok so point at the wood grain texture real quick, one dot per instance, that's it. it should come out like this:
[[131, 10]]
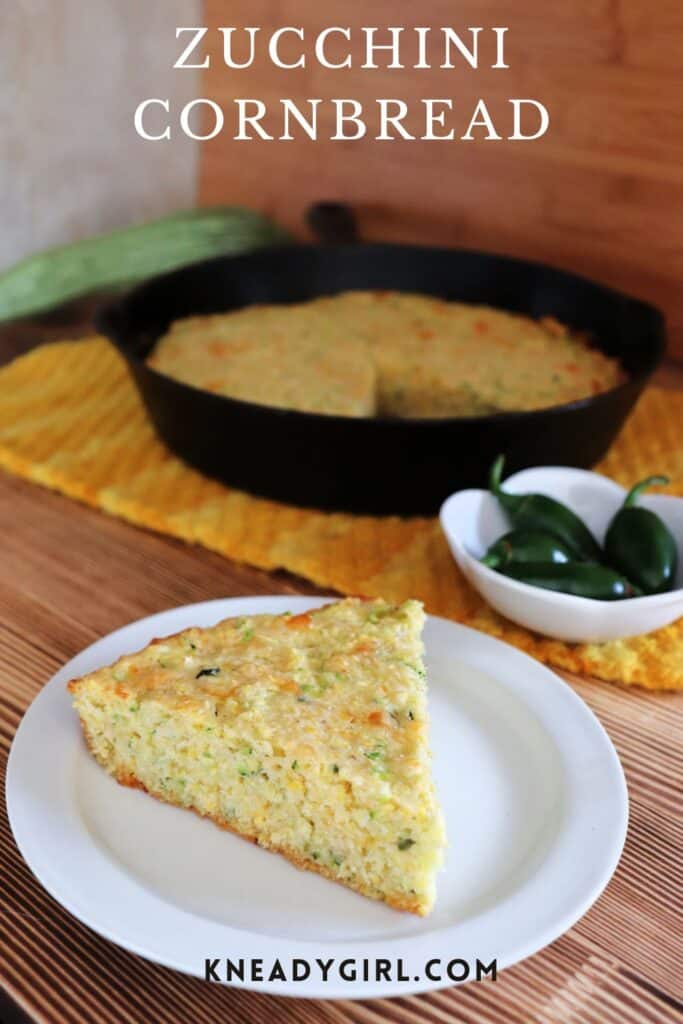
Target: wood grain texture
[[598, 194], [619, 965]]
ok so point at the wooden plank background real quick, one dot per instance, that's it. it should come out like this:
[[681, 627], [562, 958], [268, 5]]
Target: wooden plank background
[[619, 965], [601, 193]]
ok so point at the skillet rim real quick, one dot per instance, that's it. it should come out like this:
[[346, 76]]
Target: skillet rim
[[105, 323]]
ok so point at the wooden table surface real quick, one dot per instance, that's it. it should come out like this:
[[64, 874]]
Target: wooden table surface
[[68, 575]]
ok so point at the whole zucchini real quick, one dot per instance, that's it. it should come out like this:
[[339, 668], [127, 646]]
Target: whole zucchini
[[129, 255]]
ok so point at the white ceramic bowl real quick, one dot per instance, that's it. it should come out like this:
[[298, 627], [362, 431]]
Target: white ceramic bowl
[[472, 520]]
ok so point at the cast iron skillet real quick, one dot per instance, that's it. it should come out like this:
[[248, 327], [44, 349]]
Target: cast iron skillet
[[377, 466]]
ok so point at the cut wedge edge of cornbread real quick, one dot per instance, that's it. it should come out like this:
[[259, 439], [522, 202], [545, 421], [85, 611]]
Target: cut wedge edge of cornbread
[[306, 733], [387, 354]]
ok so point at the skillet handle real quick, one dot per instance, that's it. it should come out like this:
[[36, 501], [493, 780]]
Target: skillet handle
[[333, 223], [107, 319]]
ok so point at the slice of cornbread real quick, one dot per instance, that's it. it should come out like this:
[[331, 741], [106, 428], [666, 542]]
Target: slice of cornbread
[[306, 733]]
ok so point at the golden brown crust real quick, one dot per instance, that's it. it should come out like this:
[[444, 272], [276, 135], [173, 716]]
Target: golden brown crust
[[412, 355], [73, 685], [132, 781]]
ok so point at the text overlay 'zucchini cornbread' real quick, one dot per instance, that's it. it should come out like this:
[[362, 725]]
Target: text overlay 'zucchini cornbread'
[[307, 733]]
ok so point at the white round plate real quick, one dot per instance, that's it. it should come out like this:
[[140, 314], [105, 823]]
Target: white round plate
[[532, 790]]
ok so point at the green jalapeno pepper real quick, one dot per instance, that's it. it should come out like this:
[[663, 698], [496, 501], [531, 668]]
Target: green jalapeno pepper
[[582, 579], [640, 545], [521, 546], [539, 512]]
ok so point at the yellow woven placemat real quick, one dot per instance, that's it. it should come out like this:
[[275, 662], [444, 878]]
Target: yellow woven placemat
[[71, 419]]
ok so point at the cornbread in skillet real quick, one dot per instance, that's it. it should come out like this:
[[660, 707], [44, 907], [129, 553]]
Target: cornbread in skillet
[[292, 357], [436, 358], [386, 354], [306, 733]]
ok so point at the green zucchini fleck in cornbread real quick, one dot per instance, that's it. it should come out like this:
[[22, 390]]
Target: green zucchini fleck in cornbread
[[385, 354], [306, 733]]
